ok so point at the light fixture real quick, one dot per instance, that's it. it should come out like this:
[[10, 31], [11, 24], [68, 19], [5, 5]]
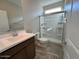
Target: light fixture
[[53, 10]]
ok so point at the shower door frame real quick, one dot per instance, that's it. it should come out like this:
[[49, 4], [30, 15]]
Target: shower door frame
[[64, 23]]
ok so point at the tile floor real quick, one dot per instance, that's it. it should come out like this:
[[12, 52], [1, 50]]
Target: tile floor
[[48, 50]]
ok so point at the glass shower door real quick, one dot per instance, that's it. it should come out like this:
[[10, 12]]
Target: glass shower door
[[51, 26]]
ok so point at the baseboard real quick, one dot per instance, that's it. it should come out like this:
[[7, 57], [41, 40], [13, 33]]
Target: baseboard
[[66, 54]]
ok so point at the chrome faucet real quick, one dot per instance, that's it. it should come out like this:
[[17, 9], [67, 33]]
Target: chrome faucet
[[14, 33]]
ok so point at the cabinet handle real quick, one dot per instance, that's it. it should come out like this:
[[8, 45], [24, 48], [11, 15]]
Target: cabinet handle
[[29, 46], [4, 56]]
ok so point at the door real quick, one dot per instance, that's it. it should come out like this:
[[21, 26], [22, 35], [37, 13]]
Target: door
[[30, 51], [71, 49], [52, 26], [20, 55], [4, 26]]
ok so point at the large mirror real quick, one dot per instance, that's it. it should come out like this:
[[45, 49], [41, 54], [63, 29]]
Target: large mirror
[[11, 16]]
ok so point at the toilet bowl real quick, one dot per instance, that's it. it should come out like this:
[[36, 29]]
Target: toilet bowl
[[43, 40]]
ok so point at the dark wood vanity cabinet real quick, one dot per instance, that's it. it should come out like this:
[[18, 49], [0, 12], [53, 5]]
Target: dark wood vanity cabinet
[[20, 55], [24, 50]]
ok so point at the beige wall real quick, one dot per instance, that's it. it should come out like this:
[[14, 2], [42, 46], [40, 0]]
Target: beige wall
[[31, 9]]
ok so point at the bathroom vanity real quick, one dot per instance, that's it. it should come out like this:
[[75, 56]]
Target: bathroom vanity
[[21, 46]]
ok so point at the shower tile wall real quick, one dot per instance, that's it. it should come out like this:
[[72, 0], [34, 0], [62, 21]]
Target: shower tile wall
[[51, 26]]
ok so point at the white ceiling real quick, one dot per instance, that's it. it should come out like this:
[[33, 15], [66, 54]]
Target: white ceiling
[[42, 2]]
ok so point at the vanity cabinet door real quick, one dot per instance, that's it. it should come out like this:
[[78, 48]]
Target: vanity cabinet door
[[30, 51], [20, 55]]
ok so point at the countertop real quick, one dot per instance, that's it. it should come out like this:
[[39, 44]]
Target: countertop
[[8, 41]]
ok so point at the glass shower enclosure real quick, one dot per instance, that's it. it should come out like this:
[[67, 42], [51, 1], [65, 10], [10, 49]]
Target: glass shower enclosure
[[52, 27]]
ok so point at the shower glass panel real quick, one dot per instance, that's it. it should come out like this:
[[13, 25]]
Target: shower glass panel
[[51, 26]]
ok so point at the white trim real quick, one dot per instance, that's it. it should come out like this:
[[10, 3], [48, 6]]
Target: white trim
[[66, 54], [75, 48]]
